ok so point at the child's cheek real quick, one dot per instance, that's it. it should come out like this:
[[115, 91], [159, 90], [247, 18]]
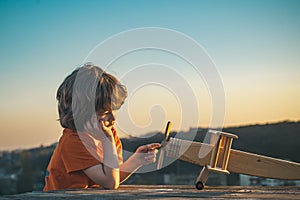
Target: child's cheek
[[105, 122]]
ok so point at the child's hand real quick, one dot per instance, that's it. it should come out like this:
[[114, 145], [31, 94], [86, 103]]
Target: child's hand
[[105, 129], [146, 154], [98, 128]]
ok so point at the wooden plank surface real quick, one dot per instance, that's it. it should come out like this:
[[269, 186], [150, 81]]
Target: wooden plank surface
[[239, 161], [166, 192]]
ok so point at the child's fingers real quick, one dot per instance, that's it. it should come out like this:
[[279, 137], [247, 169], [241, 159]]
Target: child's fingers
[[148, 148], [102, 125], [153, 146], [153, 151], [150, 158]]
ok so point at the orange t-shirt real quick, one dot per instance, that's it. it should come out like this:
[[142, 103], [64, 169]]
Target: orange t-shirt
[[74, 153]]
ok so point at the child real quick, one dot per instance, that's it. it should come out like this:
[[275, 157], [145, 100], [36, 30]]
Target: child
[[89, 153]]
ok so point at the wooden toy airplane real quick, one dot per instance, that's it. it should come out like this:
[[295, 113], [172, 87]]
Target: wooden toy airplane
[[219, 157]]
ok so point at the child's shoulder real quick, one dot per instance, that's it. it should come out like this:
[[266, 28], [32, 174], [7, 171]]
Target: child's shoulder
[[69, 136], [72, 142]]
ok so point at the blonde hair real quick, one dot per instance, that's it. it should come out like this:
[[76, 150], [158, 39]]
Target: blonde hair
[[85, 91]]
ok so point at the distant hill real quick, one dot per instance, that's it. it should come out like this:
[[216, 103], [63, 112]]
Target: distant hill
[[280, 140]]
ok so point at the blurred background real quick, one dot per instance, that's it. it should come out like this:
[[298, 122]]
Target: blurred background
[[254, 44]]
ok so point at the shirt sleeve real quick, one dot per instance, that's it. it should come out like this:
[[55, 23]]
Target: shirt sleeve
[[75, 155]]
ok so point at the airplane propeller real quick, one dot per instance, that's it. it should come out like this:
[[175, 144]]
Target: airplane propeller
[[163, 144]]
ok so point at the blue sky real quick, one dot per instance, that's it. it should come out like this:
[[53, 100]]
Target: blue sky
[[255, 45]]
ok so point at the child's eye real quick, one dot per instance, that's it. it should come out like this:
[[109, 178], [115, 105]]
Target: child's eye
[[102, 114]]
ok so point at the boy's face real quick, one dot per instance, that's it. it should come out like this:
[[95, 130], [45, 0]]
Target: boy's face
[[107, 116]]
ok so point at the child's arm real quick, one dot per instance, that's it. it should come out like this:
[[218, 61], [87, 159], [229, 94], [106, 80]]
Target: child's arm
[[144, 155], [106, 174]]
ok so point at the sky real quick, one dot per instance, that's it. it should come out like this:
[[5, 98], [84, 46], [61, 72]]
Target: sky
[[254, 44]]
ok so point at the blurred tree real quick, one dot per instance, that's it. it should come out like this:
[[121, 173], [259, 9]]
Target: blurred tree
[[25, 182]]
